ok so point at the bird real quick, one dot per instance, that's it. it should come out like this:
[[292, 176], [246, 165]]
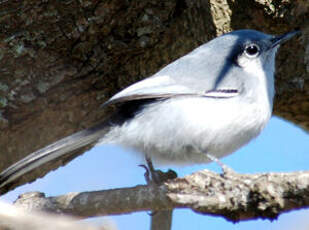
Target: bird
[[202, 106]]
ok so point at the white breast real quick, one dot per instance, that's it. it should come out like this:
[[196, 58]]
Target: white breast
[[181, 130]]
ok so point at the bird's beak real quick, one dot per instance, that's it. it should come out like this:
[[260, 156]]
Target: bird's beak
[[278, 40]]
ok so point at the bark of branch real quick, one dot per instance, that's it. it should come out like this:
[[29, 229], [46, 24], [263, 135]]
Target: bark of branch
[[13, 218], [161, 220], [234, 196]]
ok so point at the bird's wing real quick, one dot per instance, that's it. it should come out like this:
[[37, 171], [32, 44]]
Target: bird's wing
[[163, 87]]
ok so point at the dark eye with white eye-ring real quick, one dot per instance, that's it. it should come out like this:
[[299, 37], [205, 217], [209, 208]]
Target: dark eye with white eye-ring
[[252, 50]]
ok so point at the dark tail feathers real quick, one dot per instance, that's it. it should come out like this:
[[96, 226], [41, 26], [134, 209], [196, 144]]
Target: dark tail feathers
[[53, 151]]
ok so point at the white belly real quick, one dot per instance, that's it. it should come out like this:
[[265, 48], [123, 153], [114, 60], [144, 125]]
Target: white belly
[[182, 130]]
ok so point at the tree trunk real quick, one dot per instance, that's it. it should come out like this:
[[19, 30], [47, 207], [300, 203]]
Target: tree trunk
[[59, 60]]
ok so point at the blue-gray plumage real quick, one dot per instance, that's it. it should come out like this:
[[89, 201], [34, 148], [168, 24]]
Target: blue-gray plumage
[[211, 101]]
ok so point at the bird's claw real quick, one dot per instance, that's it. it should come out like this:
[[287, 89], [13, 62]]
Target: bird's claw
[[226, 170]]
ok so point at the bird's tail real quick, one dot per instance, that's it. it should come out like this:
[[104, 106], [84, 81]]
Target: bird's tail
[[51, 152]]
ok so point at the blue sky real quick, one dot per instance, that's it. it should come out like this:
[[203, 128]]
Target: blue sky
[[282, 147]]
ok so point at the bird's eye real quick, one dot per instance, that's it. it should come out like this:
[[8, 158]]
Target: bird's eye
[[252, 50]]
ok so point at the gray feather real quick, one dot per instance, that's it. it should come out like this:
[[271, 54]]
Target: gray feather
[[53, 151]]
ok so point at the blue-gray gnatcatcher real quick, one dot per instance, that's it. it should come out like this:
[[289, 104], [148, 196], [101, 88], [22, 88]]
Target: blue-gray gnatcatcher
[[211, 101]]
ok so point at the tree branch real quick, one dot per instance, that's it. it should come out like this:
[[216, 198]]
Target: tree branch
[[14, 218], [234, 196], [162, 220]]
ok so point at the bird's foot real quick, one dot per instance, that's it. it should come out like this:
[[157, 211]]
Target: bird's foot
[[157, 177], [226, 170]]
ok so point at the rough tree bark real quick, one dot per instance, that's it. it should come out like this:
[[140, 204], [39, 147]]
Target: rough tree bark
[[59, 60], [233, 196]]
